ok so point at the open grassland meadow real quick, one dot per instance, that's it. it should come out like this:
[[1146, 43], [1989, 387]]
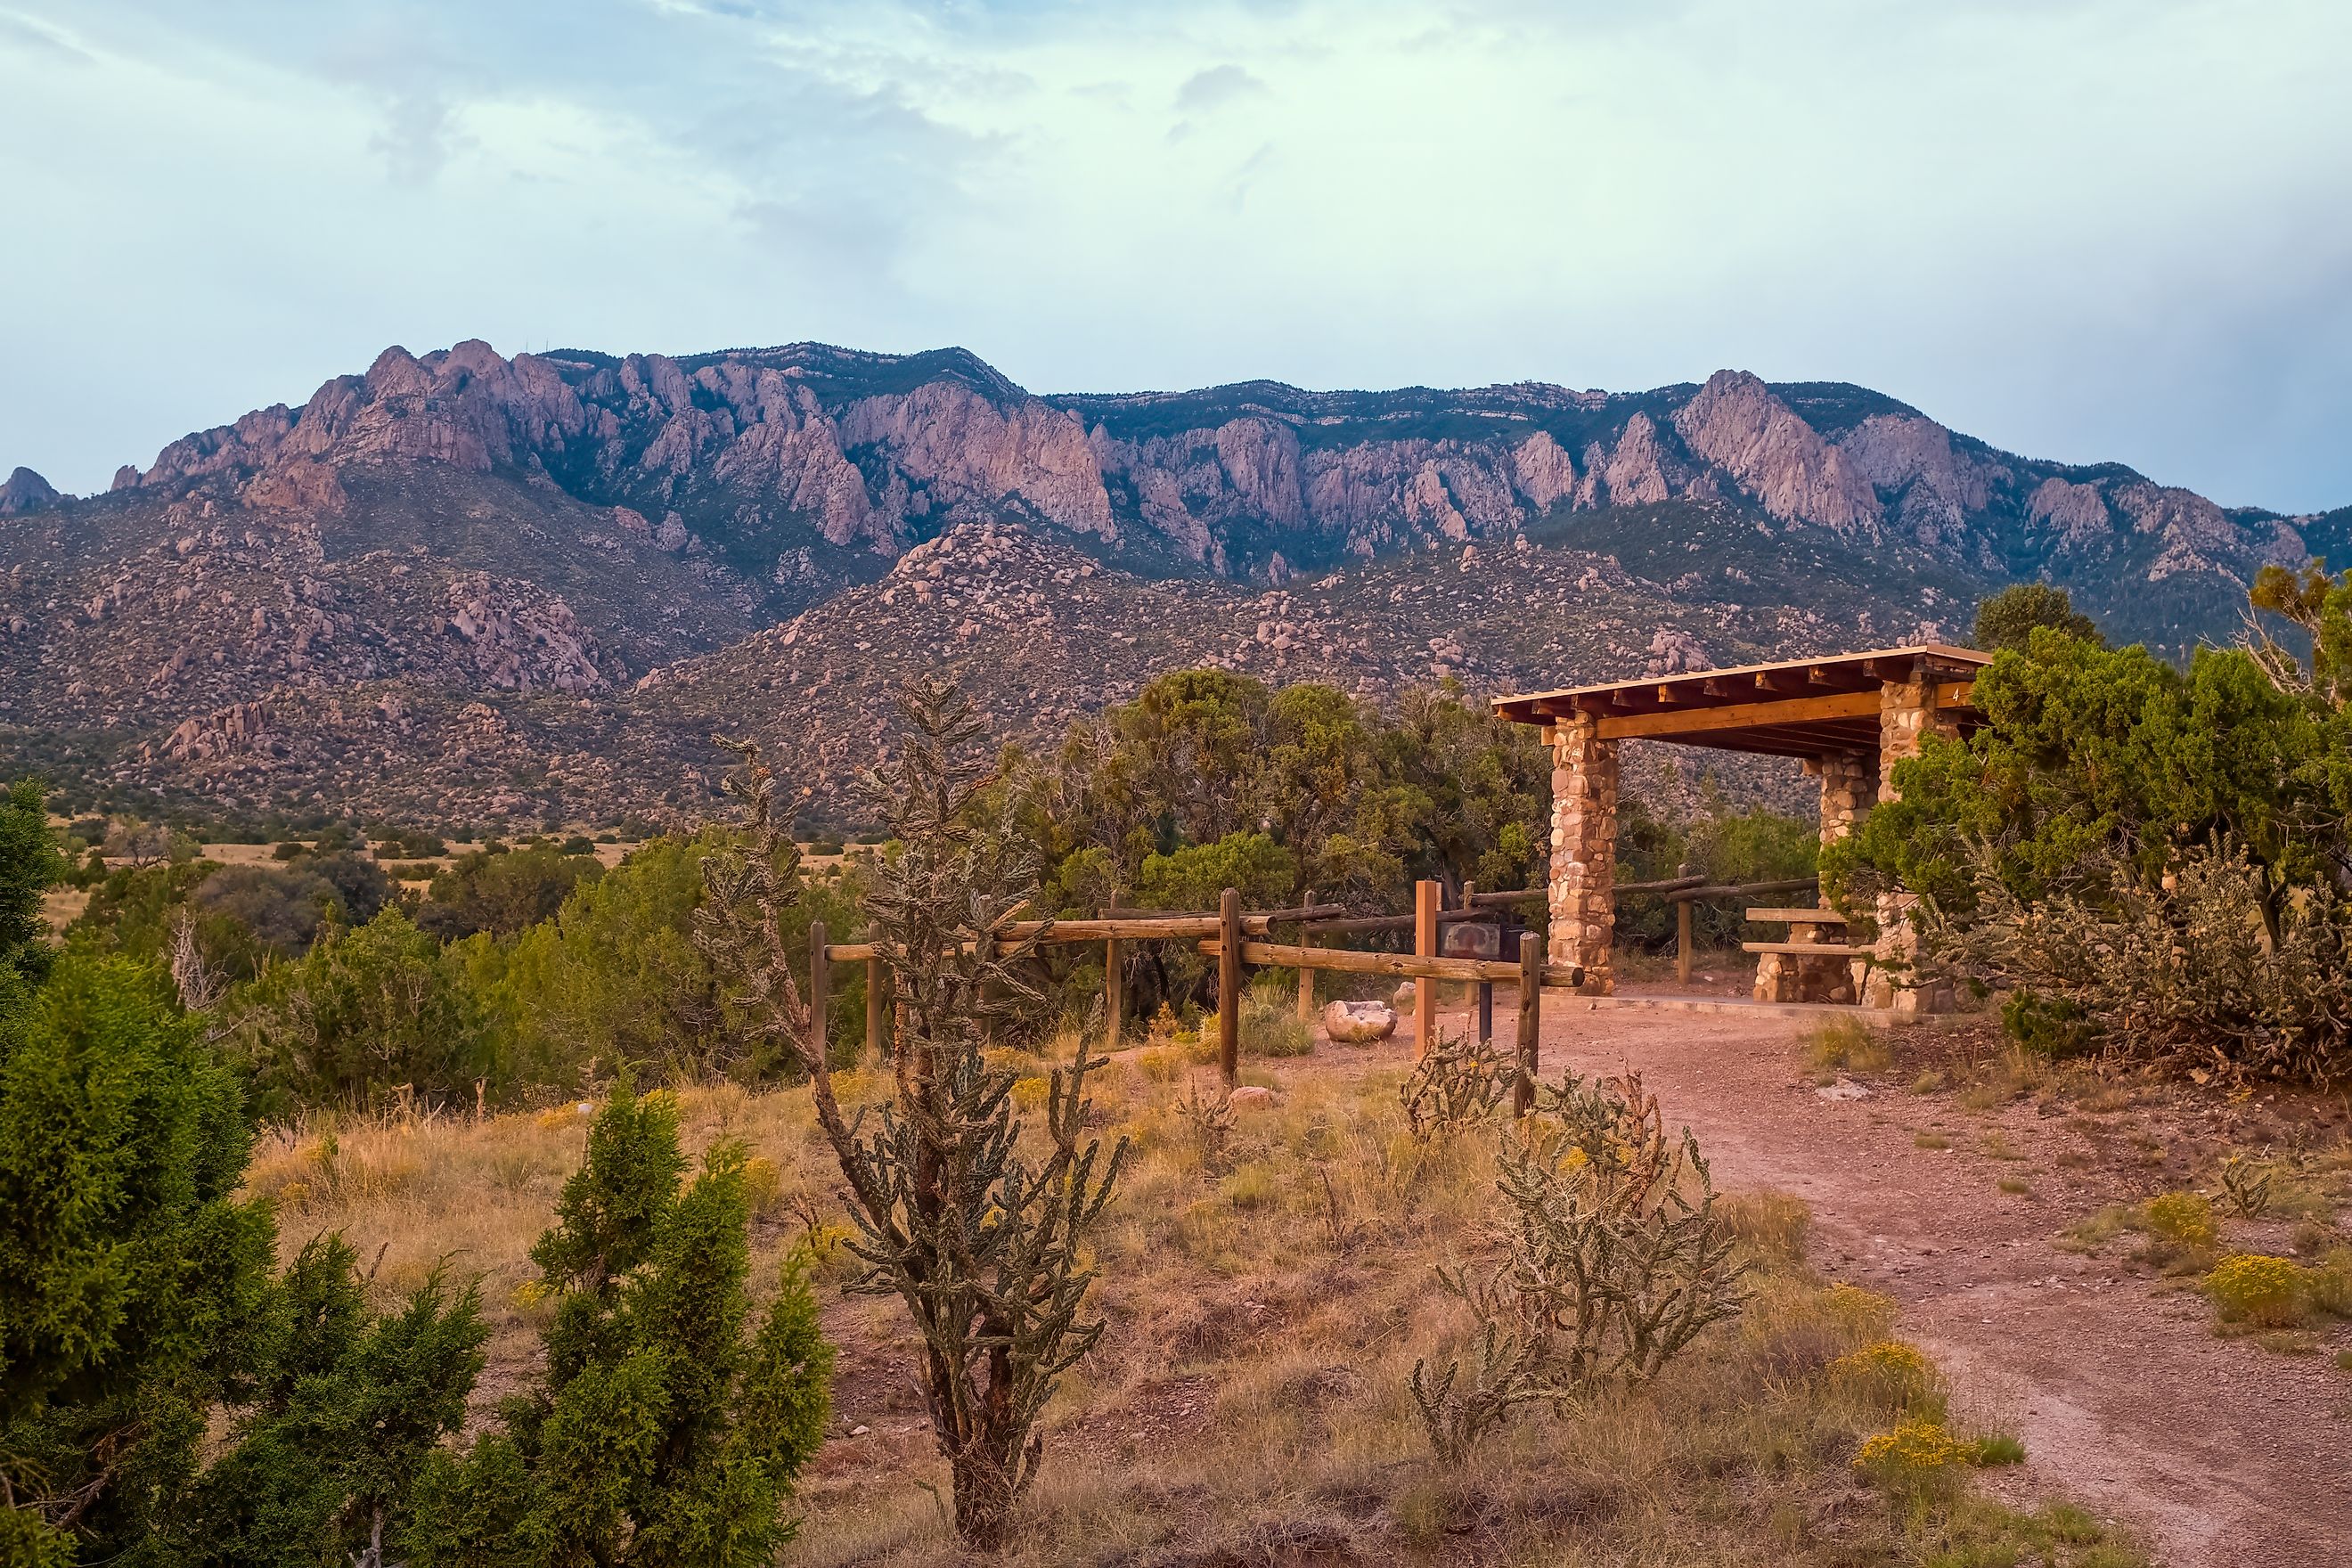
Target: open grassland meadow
[[1268, 1282]]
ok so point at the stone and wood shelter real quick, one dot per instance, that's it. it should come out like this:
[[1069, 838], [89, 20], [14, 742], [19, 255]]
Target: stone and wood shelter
[[1851, 717]]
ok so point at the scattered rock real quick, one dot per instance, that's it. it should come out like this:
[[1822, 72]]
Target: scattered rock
[[1359, 1023]]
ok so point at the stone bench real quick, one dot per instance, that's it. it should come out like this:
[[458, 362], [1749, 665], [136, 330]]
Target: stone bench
[[1814, 964]]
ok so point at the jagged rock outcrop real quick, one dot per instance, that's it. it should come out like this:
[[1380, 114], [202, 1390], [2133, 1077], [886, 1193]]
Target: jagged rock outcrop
[[26, 491], [521, 643], [234, 730], [1737, 424]]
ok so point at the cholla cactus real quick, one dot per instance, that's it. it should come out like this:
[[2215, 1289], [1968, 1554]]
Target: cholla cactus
[[981, 1239], [1612, 1261], [1459, 1082]]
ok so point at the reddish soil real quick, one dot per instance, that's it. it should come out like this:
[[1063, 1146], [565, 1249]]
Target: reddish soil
[[2222, 1453]]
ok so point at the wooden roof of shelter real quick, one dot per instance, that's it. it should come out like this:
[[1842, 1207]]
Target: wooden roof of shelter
[[1797, 708]]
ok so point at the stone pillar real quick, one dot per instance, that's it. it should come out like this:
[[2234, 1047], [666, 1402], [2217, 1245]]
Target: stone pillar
[[1849, 785], [1849, 788], [1906, 714], [1583, 850]]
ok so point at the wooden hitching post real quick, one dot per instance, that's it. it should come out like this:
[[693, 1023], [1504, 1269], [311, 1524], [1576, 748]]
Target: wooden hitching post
[[1523, 1092], [1424, 945], [820, 986], [876, 984], [1114, 993], [1229, 986], [1683, 941]]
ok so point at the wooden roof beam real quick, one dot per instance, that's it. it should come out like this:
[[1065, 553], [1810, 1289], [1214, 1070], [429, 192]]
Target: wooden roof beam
[[1742, 715]]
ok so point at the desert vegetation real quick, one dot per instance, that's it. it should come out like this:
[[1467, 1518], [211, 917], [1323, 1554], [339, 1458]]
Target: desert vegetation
[[750, 1296], [2146, 862]]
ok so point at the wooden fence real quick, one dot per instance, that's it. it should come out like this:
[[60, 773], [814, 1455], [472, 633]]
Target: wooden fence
[[1236, 938]]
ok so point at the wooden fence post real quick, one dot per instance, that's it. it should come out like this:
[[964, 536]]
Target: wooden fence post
[[1306, 991], [1229, 986], [1683, 941], [820, 988], [1424, 945], [1523, 1092], [877, 980], [1114, 993]]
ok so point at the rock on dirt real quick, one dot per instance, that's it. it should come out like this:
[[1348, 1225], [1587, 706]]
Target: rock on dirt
[[1359, 1023]]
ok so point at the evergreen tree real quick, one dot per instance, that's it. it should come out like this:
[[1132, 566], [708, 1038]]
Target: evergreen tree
[[2008, 619], [30, 865], [670, 1421], [131, 1274], [336, 1426]]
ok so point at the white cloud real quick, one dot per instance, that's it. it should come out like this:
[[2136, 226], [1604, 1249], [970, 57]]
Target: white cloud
[[2101, 229]]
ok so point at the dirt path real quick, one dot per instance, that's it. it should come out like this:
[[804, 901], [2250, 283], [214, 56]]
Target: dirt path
[[2225, 1455]]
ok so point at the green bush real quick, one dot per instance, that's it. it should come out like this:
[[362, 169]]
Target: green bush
[[670, 1420], [1270, 1024], [325, 1448], [2048, 1026], [501, 891], [29, 864], [364, 1013], [131, 1274]]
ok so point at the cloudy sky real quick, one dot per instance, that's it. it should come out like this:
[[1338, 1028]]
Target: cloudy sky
[[2085, 229]]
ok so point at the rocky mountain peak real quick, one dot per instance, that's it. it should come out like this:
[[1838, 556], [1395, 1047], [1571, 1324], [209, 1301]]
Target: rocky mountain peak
[[27, 492], [1737, 424]]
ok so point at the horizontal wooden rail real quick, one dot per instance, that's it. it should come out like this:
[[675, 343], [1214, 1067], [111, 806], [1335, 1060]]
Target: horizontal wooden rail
[[1142, 928], [1357, 924], [1817, 949], [1408, 965], [1743, 890], [1797, 917], [1270, 917]]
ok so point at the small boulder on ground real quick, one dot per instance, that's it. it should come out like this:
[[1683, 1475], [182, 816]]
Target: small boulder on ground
[[1359, 1023], [1250, 1096], [1403, 997]]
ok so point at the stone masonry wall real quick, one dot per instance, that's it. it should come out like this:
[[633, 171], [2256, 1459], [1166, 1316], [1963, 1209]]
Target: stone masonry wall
[[1583, 850], [1848, 789], [1907, 712]]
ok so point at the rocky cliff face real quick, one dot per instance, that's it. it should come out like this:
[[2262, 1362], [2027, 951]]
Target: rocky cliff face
[[788, 464], [465, 584]]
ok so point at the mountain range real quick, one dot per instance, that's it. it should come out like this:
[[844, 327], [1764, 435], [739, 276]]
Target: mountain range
[[462, 587]]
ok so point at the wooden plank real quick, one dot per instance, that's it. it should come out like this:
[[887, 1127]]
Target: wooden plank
[[876, 981], [1792, 709], [1808, 917], [853, 952], [1230, 954], [1403, 965], [1817, 949], [1682, 942], [1530, 1040], [1305, 994]]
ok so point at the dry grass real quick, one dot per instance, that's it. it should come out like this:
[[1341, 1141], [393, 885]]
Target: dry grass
[[1847, 1045], [1266, 1298]]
